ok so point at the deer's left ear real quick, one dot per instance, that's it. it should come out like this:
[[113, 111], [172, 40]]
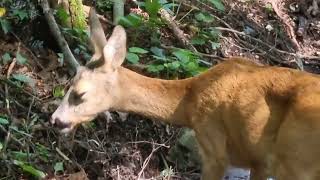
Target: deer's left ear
[[114, 52]]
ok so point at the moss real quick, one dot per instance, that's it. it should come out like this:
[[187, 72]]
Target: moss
[[78, 18]]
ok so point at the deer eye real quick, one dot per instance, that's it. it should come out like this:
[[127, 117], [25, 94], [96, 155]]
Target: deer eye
[[75, 98]]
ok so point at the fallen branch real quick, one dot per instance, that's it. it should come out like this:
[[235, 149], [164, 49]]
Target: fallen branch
[[288, 23], [70, 59], [176, 30], [272, 48]]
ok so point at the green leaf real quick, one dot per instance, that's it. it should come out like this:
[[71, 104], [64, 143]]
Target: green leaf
[[5, 25], [131, 20], [215, 33], [58, 167], [25, 79], [58, 92], [4, 120], [160, 67], [198, 41], [2, 11], [20, 59], [183, 55], [21, 156], [157, 51], [269, 7], [152, 7], [152, 69], [204, 17], [6, 58], [60, 58], [62, 15], [137, 50], [22, 14], [29, 169], [191, 66], [215, 45], [217, 4], [132, 58], [155, 68], [174, 65], [1, 146], [160, 58]]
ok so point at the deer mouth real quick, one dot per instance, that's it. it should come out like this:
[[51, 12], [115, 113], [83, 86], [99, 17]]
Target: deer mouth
[[64, 127]]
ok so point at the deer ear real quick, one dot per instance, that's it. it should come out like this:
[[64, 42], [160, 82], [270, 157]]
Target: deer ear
[[114, 52], [97, 39]]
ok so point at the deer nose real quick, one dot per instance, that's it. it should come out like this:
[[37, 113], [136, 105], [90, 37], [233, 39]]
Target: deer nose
[[60, 124]]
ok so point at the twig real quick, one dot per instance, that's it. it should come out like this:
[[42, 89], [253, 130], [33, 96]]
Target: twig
[[32, 54], [266, 44], [147, 142], [146, 161], [176, 30], [287, 21], [30, 106], [3, 129], [58, 36], [10, 83], [198, 53], [63, 155]]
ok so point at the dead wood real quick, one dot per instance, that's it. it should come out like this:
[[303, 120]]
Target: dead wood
[[287, 22], [176, 30], [70, 59]]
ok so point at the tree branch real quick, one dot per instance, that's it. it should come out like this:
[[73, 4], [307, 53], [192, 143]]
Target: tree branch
[[70, 59]]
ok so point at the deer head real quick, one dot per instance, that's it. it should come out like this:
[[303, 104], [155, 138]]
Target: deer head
[[94, 88]]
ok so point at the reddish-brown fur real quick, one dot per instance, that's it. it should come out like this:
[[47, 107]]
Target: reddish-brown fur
[[260, 117]]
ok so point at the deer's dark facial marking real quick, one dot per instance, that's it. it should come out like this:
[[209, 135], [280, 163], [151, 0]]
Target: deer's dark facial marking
[[75, 98]]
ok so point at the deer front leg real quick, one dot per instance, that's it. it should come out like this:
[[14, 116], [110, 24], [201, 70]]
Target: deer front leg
[[212, 147], [213, 169]]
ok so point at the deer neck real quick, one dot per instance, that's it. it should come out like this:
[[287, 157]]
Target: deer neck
[[153, 98]]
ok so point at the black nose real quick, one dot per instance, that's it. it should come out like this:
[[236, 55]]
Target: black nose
[[60, 124]]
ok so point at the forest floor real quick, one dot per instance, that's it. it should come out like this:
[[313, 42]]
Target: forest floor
[[132, 147]]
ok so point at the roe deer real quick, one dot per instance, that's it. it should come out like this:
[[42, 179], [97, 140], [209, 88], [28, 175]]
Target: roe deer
[[259, 117]]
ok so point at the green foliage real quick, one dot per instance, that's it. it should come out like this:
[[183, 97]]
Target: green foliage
[[24, 79], [30, 169], [21, 59], [6, 58], [104, 5], [180, 61], [185, 151], [5, 25], [269, 8], [78, 35], [58, 167], [78, 15], [4, 121], [152, 7], [207, 35], [58, 92], [60, 58], [62, 16], [16, 13], [133, 54], [131, 20], [217, 4], [204, 17]]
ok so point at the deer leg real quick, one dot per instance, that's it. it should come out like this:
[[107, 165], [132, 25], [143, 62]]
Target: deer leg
[[213, 170], [258, 173], [212, 146], [298, 144]]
